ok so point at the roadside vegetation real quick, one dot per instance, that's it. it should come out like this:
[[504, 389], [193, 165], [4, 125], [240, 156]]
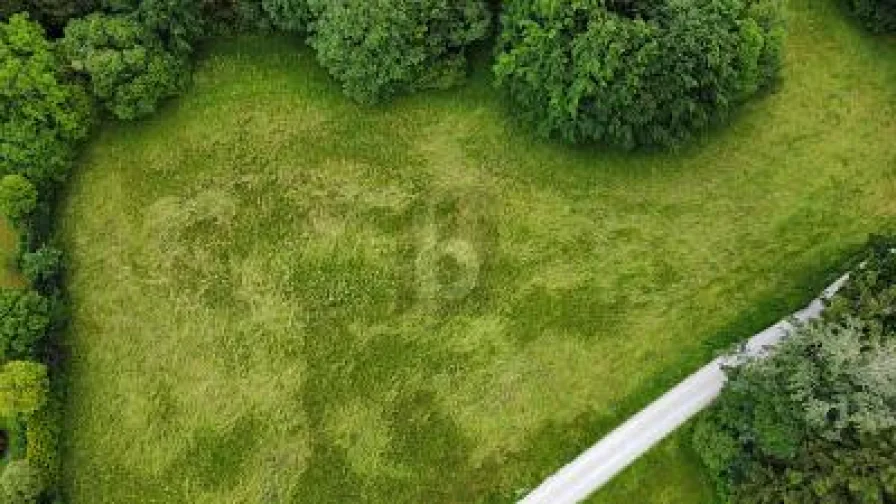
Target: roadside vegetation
[[816, 421], [338, 263]]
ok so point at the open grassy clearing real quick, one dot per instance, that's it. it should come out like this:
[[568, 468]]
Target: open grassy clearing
[[280, 296]]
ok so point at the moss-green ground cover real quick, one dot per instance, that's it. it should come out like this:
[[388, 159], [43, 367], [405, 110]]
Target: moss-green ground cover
[[279, 296], [9, 273]]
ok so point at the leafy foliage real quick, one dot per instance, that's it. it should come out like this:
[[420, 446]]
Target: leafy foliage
[[20, 483], [42, 441], [129, 70], [290, 15], [877, 15], [380, 48], [18, 198], [635, 72], [177, 23], [816, 421], [51, 13], [36, 140], [43, 268], [24, 318], [853, 470], [870, 293], [24, 387]]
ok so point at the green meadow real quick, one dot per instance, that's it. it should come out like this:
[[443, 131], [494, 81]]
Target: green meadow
[[281, 296]]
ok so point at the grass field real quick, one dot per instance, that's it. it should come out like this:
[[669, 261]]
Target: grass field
[[10, 276], [280, 296]]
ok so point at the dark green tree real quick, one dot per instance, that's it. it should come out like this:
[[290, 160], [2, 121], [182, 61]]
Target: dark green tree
[[178, 24], [127, 66], [18, 198], [289, 15], [43, 268], [25, 317], [380, 48], [816, 420], [37, 140], [50, 13], [635, 72]]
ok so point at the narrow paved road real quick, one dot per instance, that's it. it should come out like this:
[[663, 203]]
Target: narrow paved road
[[592, 469]]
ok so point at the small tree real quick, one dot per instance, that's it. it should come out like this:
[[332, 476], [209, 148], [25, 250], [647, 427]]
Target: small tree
[[177, 23], [289, 15], [36, 140], [24, 387], [380, 48], [43, 268], [129, 70], [24, 320], [20, 483], [635, 73], [18, 198]]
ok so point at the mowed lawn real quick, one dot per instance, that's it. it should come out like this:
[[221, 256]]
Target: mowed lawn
[[280, 296]]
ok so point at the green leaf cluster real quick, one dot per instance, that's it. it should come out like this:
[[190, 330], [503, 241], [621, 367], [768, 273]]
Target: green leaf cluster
[[380, 48], [42, 117], [126, 64], [635, 73], [815, 421]]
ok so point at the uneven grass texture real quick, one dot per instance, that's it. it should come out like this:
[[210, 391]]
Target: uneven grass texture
[[280, 296], [10, 277]]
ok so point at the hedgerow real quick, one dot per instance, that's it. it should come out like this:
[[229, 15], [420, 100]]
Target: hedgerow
[[44, 115], [635, 72], [816, 421]]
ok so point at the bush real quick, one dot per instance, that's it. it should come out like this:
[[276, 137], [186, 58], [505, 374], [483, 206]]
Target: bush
[[50, 13], [379, 48], [42, 442], [878, 16], [823, 391], [20, 483], [38, 140], [178, 24], [24, 387], [870, 293], [25, 317], [635, 72], [129, 70], [18, 198], [289, 15], [815, 421], [43, 268]]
